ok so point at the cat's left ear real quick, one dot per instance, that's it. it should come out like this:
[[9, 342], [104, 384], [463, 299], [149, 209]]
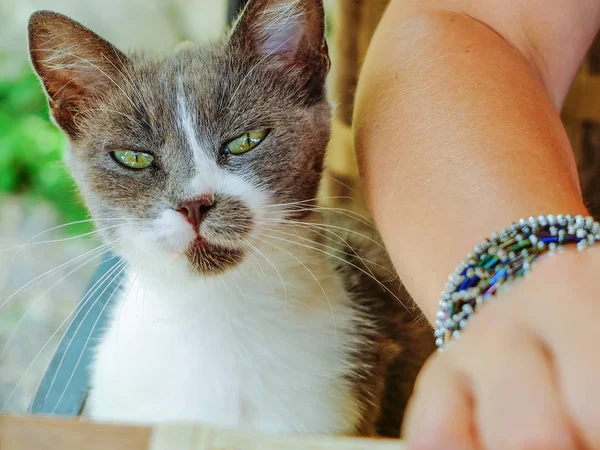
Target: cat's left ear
[[286, 33]]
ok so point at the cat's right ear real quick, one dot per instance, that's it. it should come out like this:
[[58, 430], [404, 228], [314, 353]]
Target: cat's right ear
[[76, 66]]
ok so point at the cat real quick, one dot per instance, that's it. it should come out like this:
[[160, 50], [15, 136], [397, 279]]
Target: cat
[[243, 302]]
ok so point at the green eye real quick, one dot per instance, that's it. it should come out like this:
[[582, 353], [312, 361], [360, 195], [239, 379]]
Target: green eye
[[246, 142], [133, 160]]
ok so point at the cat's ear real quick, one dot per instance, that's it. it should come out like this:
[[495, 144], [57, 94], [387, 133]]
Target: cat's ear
[[76, 66], [286, 32]]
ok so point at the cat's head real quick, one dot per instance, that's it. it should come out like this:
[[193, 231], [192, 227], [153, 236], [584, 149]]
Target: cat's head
[[187, 155]]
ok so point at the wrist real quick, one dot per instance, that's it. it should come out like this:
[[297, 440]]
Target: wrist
[[501, 261]]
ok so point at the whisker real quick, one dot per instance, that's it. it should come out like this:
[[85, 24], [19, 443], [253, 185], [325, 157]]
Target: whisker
[[327, 225], [343, 211], [88, 339], [301, 202], [271, 264], [363, 260], [383, 286], [28, 369], [354, 253], [255, 263], [34, 303], [53, 241], [54, 270], [77, 310], [312, 274]]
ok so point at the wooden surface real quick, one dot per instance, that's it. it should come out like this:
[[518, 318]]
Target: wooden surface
[[17, 433], [36, 433]]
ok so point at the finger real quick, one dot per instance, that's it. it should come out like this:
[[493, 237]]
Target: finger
[[439, 414], [518, 404], [577, 368]]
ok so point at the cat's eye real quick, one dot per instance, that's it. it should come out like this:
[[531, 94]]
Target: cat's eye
[[246, 142], [133, 159]]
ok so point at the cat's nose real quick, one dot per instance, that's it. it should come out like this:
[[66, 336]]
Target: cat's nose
[[195, 210]]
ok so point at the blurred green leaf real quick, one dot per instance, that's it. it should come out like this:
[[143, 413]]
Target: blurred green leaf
[[31, 150]]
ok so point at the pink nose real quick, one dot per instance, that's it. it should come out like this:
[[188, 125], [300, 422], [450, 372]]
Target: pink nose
[[195, 210]]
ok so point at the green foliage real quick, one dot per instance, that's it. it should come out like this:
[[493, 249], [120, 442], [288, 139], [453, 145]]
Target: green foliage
[[31, 150]]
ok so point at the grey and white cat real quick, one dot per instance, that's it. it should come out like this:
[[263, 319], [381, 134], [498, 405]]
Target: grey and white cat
[[242, 303]]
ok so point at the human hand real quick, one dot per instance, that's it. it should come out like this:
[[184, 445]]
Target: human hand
[[524, 373]]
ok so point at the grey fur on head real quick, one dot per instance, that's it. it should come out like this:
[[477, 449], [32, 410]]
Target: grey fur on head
[[269, 73]]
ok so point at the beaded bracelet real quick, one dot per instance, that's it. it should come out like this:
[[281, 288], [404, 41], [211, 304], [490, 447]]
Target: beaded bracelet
[[503, 257]]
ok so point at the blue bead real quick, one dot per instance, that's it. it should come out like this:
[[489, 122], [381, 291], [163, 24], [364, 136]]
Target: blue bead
[[498, 275], [464, 284], [472, 282], [548, 240]]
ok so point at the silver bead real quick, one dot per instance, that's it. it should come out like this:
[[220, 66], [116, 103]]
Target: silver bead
[[522, 222], [589, 223], [591, 239], [438, 333], [462, 324], [550, 219], [579, 221], [581, 233], [560, 220], [533, 239], [541, 245], [439, 342], [449, 324], [440, 315], [456, 334], [553, 231], [581, 245], [468, 309], [552, 246]]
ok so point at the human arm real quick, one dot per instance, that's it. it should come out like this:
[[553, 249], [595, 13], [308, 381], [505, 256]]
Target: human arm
[[458, 135]]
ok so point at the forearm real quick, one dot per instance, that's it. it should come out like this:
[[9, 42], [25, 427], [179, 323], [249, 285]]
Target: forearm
[[457, 136]]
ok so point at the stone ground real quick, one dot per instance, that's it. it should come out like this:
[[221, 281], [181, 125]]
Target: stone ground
[[29, 319]]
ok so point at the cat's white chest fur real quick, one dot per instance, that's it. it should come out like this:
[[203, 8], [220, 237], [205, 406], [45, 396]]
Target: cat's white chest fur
[[238, 350]]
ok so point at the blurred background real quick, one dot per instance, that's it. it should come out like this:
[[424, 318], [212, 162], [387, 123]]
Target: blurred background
[[41, 284]]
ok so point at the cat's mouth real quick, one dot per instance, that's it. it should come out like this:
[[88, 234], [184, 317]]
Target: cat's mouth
[[211, 258]]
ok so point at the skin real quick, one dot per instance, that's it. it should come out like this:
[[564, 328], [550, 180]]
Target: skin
[[458, 134]]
